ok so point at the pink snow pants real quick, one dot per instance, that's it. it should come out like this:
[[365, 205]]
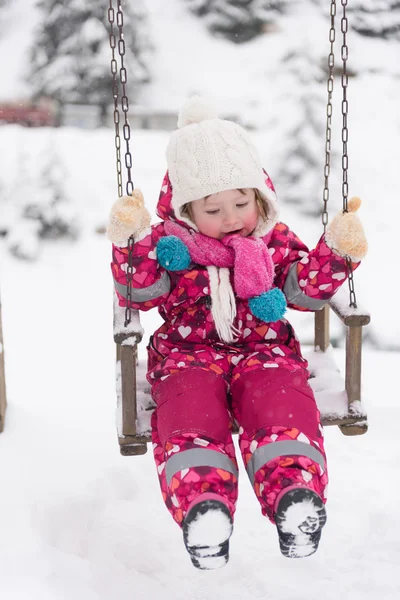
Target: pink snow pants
[[280, 436]]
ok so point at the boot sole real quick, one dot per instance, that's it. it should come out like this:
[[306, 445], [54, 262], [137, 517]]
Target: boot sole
[[206, 532], [300, 517]]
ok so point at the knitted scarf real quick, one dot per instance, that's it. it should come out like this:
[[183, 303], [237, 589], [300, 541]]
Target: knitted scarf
[[253, 274], [253, 269]]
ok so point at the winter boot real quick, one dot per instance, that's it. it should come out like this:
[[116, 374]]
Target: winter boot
[[300, 516], [207, 528]]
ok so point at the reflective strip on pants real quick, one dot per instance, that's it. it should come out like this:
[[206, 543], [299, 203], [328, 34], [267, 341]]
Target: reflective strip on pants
[[198, 457], [266, 453]]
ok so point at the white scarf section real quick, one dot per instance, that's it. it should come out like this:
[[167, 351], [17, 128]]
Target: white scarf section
[[223, 303]]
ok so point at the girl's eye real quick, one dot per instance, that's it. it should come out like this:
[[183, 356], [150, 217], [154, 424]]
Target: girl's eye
[[212, 212], [242, 205]]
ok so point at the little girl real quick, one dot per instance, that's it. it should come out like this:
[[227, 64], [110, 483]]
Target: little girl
[[221, 268]]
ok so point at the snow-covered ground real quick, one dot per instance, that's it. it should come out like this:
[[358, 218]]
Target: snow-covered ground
[[80, 521]]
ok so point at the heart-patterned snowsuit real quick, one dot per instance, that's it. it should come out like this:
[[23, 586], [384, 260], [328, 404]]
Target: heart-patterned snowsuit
[[201, 384]]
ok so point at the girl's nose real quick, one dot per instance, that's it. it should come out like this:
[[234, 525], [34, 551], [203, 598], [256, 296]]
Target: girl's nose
[[231, 219]]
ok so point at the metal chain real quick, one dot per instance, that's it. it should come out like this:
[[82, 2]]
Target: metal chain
[[345, 137], [124, 98], [345, 82], [328, 136], [126, 131], [129, 275], [114, 70]]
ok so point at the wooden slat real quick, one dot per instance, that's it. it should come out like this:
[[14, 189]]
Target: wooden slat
[[351, 320], [133, 445], [353, 376], [123, 332], [353, 363], [355, 429], [130, 443], [350, 316], [349, 425], [321, 328], [120, 338], [3, 399], [128, 389]]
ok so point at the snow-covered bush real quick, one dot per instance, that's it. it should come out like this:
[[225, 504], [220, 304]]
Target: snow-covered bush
[[41, 208]]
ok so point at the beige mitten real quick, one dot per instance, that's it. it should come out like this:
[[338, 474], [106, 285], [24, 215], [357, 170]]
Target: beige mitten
[[345, 235], [128, 216]]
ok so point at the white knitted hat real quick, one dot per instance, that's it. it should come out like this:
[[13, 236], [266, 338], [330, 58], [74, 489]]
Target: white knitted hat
[[207, 155]]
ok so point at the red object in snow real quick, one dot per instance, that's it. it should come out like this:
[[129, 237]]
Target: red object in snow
[[42, 114]]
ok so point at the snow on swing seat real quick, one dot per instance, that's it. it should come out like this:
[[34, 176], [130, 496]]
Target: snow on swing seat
[[329, 388]]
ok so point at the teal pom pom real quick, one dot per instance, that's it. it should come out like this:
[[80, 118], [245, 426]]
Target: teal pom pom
[[269, 306], [172, 253]]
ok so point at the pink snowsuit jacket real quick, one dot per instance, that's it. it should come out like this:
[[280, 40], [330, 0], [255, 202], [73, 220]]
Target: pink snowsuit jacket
[[188, 337]]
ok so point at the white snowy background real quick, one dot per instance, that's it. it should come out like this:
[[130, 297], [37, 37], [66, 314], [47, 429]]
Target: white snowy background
[[80, 521]]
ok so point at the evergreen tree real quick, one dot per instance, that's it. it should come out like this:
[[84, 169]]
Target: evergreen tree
[[51, 207], [41, 208], [71, 55], [376, 18], [302, 160], [238, 20], [22, 233], [371, 18]]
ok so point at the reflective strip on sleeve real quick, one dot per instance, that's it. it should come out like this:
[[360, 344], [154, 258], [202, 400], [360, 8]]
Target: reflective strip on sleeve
[[198, 457], [266, 453], [157, 289], [294, 295]]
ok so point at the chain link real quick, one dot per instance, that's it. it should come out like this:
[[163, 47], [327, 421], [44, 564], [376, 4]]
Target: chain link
[[125, 128], [353, 299], [114, 70], [129, 274], [345, 133], [328, 136], [345, 82], [344, 26], [124, 99]]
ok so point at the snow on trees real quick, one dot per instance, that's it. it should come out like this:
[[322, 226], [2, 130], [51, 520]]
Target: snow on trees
[[302, 161], [376, 18], [70, 54], [238, 20], [41, 208]]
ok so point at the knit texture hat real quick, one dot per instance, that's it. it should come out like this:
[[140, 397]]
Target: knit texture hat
[[207, 155]]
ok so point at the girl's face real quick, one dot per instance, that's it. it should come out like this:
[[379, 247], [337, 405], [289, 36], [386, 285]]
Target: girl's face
[[232, 211]]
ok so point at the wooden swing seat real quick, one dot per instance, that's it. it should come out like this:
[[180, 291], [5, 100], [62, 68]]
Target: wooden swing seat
[[338, 399]]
